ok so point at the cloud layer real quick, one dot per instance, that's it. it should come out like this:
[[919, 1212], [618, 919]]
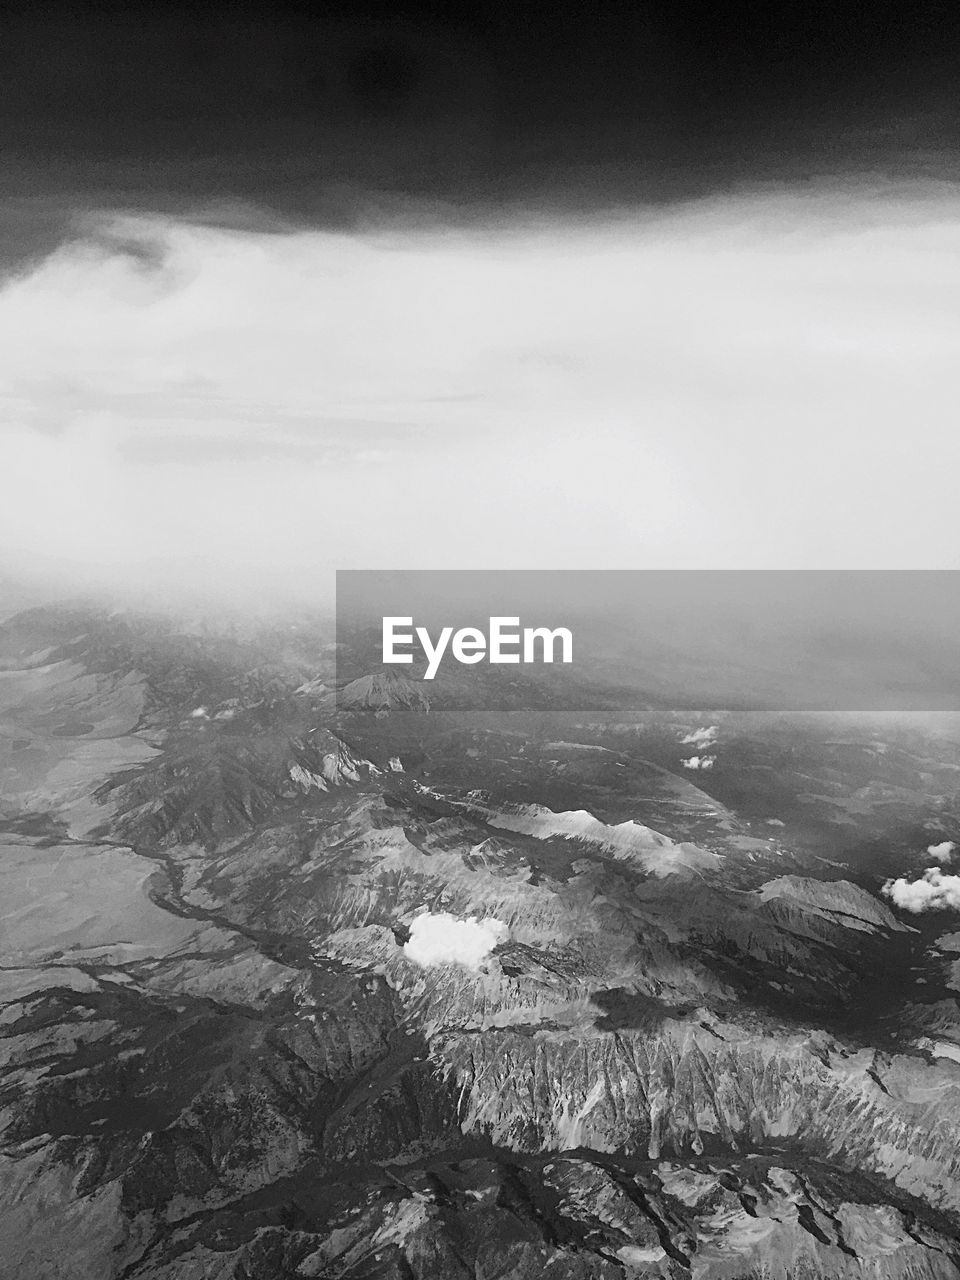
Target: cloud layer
[[443, 939], [766, 380]]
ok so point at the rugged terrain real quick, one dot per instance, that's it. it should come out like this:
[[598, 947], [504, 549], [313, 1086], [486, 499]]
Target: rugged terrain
[[707, 1044]]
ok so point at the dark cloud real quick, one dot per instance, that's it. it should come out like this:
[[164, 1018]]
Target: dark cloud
[[567, 102]]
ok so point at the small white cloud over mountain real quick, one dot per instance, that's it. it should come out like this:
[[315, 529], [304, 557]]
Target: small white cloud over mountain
[[934, 891], [701, 738], [699, 762], [443, 939], [942, 852]]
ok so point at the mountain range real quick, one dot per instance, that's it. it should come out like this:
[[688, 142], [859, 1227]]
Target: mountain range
[[702, 1041]]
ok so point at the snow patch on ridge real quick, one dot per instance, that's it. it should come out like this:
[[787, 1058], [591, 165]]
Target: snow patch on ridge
[[627, 841]]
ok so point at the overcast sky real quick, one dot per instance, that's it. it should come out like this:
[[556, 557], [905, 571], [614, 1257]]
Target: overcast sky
[[393, 285], [756, 380]]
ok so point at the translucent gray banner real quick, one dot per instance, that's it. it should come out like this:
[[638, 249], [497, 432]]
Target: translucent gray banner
[[766, 640]]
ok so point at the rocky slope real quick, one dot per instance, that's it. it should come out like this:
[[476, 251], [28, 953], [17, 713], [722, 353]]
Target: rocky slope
[[697, 1048]]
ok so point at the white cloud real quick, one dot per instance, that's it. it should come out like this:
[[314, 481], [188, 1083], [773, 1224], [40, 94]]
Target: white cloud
[[443, 939], [658, 390], [942, 852], [934, 891], [699, 762], [704, 737]]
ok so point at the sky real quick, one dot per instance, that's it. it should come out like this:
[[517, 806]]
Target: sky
[[282, 296]]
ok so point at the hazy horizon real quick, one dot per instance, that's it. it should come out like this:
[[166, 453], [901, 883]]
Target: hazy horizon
[[199, 411], [283, 292]]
